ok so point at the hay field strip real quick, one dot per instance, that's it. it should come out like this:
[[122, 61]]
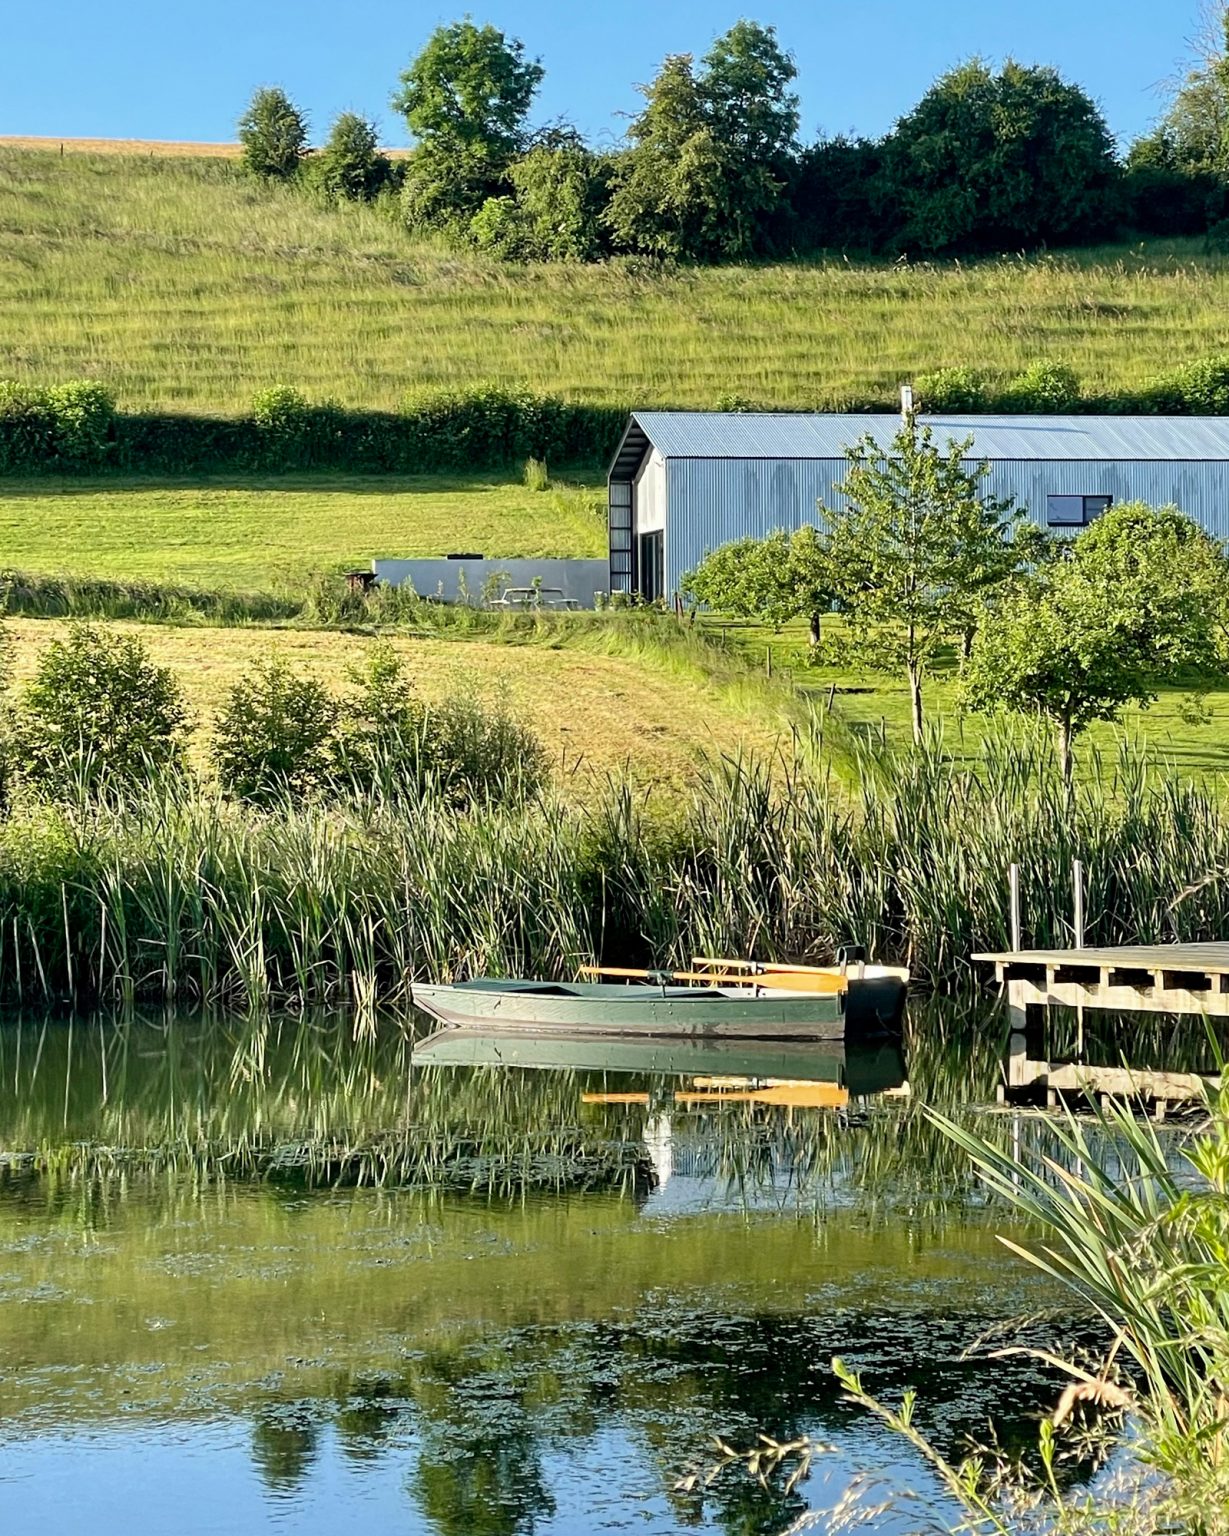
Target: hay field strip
[[186, 286], [595, 712]]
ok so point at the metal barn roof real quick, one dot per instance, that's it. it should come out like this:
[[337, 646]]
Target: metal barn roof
[[752, 435]]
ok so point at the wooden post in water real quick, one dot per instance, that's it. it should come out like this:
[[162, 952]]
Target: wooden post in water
[[1077, 891], [1017, 1049]]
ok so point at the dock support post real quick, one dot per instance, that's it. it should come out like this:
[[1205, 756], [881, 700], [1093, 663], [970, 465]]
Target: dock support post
[[1013, 881]]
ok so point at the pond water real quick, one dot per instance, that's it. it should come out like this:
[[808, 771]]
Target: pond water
[[268, 1275]]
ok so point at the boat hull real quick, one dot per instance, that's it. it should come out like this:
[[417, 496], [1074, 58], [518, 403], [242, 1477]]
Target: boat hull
[[870, 1006]]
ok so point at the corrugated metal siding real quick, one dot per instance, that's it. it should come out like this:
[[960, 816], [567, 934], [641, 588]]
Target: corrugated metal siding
[[737, 435], [715, 500]]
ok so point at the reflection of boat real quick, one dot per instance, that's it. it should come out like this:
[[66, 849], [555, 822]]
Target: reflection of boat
[[717, 1068], [865, 1004]]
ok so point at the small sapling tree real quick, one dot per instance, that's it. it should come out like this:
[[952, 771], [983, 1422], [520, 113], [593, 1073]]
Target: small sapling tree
[[778, 578], [1137, 598], [273, 133], [915, 541], [98, 717]]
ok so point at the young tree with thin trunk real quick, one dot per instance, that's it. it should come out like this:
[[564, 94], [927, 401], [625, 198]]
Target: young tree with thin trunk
[[1136, 598], [778, 578], [915, 540]]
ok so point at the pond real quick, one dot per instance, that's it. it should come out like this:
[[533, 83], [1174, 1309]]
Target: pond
[[280, 1275]]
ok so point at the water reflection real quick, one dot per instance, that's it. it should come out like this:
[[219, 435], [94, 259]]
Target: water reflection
[[265, 1274]]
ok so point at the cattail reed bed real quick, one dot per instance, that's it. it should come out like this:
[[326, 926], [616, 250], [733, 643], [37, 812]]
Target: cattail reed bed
[[191, 900]]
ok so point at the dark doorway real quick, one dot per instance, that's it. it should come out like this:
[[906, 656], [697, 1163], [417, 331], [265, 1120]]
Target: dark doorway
[[652, 554]]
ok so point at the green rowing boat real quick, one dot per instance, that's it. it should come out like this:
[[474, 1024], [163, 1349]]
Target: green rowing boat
[[867, 1006]]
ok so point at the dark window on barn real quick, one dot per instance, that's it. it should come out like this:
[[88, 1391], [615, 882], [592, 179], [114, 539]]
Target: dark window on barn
[[1075, 511]]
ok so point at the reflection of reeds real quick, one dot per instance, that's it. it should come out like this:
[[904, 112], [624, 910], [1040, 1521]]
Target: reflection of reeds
[[308, 1099]]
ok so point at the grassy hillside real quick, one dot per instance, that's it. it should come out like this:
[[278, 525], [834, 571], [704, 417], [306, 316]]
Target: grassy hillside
[[184, 286], [261, 534]]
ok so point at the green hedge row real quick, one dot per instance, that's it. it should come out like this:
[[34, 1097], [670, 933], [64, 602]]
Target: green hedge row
[[75, 428]]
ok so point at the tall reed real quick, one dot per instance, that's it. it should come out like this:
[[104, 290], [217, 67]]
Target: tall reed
[[188, 898]]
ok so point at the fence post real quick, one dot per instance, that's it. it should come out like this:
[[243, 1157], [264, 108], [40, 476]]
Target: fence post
[[1077, 886]]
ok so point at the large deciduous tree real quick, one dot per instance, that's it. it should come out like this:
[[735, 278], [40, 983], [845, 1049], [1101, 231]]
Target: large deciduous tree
[[465, 98], [778, 578], [711, 152], [915, 538], [1134, 599], [273, 134], [993, 161]]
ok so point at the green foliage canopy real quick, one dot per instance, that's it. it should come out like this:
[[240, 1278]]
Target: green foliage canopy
[[988, 161], [98, 717], [710, 152], [273, 134], [780, 577], [350, 166], [465, 98], [272, 736], [1136, 597]]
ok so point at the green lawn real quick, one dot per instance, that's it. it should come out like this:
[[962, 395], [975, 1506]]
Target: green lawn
[[184, 286], [872, 704], [275, 532]]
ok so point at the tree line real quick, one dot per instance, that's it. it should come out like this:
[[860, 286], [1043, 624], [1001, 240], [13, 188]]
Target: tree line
[[919, 558], [713, 168]]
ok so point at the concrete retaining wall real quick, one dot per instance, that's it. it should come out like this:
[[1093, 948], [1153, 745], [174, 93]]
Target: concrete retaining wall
[[579, 580]]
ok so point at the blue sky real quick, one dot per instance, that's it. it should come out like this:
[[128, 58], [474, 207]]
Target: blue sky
[[180, 69]]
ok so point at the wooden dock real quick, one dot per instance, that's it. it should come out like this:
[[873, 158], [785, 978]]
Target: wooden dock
[[1134, 978]]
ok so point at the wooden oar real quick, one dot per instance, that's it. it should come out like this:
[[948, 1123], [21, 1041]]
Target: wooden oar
[[767, 981]]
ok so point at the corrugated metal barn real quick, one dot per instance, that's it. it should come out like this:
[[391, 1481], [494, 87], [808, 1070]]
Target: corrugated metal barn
[[684, 482]]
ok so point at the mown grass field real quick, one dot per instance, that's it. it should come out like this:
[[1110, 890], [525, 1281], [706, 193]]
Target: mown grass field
[[185, 286], [271, 533], [597, 705], [1187, 729]]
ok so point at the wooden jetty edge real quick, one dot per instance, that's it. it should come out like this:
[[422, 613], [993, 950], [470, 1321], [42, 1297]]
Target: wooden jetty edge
[[1130, 978]]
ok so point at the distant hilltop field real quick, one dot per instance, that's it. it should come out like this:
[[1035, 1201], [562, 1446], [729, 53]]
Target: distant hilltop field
[[183, 285], [157, 148]]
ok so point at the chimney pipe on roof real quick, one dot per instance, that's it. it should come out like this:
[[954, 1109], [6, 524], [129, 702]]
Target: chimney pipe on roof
[[906, 401]]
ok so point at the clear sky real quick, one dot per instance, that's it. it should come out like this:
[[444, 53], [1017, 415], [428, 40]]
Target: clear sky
[[182, 69]]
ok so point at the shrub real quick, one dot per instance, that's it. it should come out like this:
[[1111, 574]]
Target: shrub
[[27, 427], [498, 230], [380, 748], [951, 389], [1045, 388], [273, 735], [478, 753], [99, 717], [273, 133], [291, 432], [84, 415], [350, 166], [1200, 387]]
